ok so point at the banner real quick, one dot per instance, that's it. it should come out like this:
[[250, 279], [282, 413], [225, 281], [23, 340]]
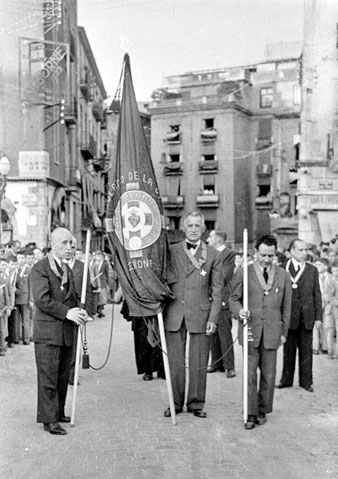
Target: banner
[[134, 222]]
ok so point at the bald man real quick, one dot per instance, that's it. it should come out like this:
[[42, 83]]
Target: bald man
[[56, 318]]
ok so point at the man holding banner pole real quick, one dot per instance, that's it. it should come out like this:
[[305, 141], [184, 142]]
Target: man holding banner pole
[[195, 310], [268, 316]]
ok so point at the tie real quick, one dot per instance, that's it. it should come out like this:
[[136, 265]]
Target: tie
[[265, 274], [191, 245]]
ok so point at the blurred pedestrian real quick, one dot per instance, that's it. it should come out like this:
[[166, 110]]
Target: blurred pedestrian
[[221, 343]]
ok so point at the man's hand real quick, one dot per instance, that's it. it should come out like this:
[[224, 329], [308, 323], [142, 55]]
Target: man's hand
[[318, 324], [244, 315], [211, 328], [282, 340], [77, 315]]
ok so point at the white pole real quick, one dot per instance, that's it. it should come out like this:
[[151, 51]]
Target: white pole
[[79, 328], [167, 369], [245, 326]]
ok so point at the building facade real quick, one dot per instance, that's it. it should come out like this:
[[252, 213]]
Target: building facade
[[318, 172], [41, 120], [223, 142]]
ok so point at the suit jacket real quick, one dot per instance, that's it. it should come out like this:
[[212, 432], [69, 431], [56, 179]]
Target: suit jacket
[[103, 270], [327, 289], [269, 314], [78, 268], [198, 292], [227, 267], [306, 299], [51, 305], [22, 286]]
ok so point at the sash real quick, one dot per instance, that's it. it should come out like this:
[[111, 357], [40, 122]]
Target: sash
[[295, 279], [265, 286], [25, 266], [53, 267], [196, 262]]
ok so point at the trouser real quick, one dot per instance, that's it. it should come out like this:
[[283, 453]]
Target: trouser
[[300, 339], [198, 362], [13, 327], [24, 314], [319, 338], [221, 343], [53, 365], [260, 400], [3, 332]]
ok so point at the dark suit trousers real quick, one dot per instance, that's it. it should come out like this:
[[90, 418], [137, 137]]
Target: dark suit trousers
[[221, 343], [198, 362], [260, 401], [53, 366], [300, 338]]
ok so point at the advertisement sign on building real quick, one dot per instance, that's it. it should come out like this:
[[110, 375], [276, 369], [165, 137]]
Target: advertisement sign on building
[[33, 164]]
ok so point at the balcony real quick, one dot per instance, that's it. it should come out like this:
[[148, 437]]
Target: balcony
[[208, 166], [263, 202], [71, 112], [173, 202], [264, 170], [74, 178], [88, 146], [100, 163], [207, 200], [85, 89], [209, 135], [173, 137], [174, 168]]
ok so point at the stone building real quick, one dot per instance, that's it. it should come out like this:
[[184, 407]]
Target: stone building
[[42, 115], [318, 172], [225, 142]]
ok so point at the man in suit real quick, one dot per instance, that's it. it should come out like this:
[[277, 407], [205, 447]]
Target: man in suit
[[306, 311], [56, 317], [197, 287], [23, 298], [268, 315], [221, 343]]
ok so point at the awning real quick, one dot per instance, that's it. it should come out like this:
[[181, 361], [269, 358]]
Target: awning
[[328, 224], [57, 197]]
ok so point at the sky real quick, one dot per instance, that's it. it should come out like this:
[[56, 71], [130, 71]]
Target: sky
[[169, 37]]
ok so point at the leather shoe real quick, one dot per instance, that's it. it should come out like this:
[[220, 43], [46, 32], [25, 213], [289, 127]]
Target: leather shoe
[[147, 377], [211, 369], [231, 373], [55, 428], [250, 424], [198, 413], [309, 389], [167, 412], [261, 420], [282, 386], [64, 419]]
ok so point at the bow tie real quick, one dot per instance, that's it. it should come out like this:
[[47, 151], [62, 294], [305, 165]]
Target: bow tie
[[191, 245]]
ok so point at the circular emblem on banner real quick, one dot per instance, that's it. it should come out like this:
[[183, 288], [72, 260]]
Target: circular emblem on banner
[[138, 220]]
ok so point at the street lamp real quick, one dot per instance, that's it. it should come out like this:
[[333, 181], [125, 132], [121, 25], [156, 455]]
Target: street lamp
[[4, 170]]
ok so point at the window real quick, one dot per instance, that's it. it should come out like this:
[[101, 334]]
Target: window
[[208, 157], [266, 97], [209, 225], [209, 123], [264, 190], [208, 186], [175, 128], [296, 95], [174, 158]]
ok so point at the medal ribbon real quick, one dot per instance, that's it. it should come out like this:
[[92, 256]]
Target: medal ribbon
[[52, 264], [298, 275], [266, 286], [196, 262]]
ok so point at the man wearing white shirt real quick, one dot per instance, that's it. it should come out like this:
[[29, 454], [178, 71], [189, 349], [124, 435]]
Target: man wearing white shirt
[[306, 311]]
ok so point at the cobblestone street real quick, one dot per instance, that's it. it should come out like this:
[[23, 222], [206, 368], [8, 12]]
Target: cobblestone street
[[120, 431]]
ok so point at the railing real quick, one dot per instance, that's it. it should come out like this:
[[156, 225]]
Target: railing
[[208, 166], [207, 200], [173, 201], [173, 168]]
